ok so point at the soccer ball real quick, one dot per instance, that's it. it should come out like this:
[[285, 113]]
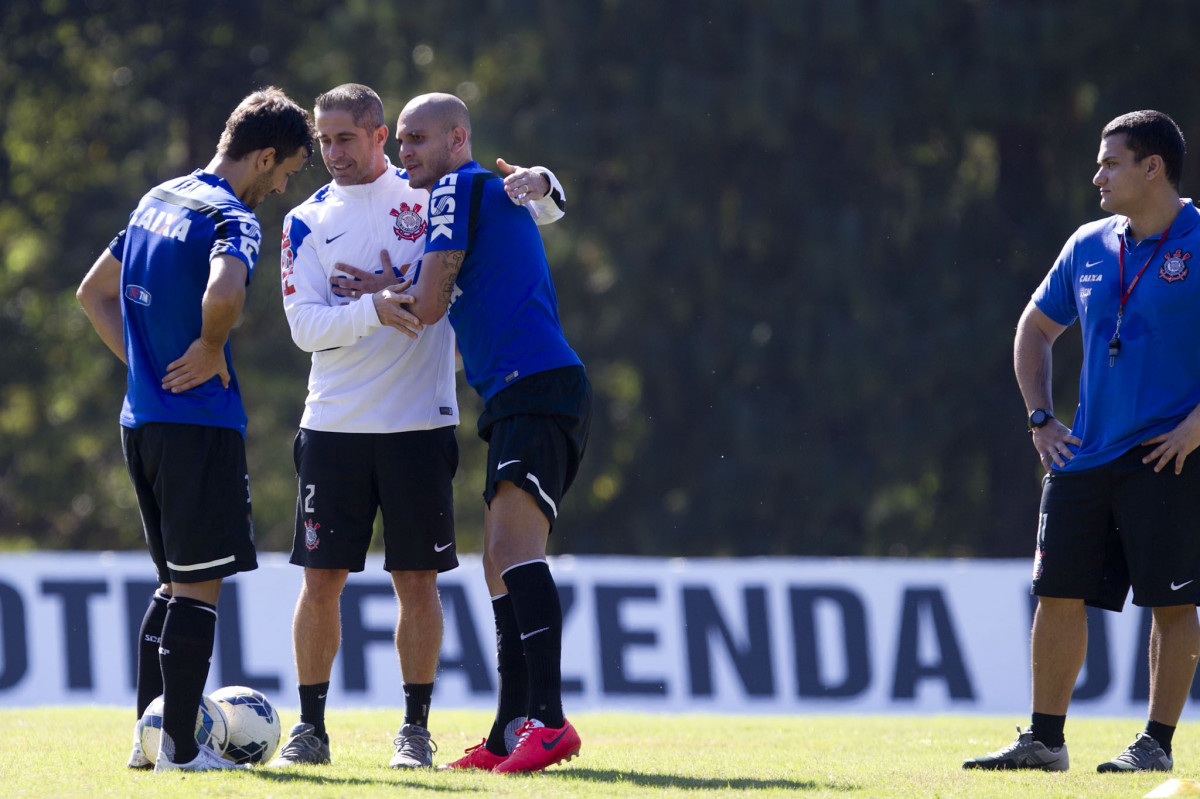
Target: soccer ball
[[212, 729], [254, 727]]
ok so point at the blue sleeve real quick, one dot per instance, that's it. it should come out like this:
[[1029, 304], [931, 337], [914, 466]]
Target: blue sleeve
[[1055, 297], [449, 213], [239, 234], [117, 245]]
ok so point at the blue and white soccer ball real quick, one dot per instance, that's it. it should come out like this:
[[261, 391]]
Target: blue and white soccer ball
[[254, 726], [212, 728]]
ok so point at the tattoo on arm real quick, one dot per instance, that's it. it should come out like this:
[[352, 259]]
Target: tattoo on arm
[[451, 264]]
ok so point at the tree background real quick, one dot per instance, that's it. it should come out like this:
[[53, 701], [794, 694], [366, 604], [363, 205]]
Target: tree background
[[799, 236]]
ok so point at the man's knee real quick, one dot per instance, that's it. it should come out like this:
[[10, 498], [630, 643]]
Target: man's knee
[[323, 585], [415, 586]]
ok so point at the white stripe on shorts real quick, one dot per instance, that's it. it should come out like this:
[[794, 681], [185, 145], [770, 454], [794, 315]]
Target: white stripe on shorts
[[198, 566], [550, 502]]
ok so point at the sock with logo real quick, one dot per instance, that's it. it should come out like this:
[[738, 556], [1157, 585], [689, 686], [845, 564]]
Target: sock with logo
[[149, 672], [312, 707], [184, 654], [513, 688], [539, 615], [417, 698], [1048, 729], [1161, 733]]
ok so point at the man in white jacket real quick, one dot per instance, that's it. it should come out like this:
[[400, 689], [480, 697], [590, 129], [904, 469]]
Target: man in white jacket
[[377, 433]]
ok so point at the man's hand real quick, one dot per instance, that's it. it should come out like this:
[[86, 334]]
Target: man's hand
[[390, 305], [523, 185], [362, 282], [196, 367], [1051, 440], [1174, 445]]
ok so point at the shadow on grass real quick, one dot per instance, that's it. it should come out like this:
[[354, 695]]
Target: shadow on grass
[[693, 783], [311, 777], [611, 776]]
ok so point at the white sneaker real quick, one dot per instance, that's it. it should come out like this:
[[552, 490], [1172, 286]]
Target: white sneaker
[[205, 760], [137, 758]]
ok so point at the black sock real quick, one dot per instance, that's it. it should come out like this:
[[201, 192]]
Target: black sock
[[417, 697], [513, 688], [1161, 733], [185, 652], [312, 707], [149, 672], [539, 615], [1048, 729]]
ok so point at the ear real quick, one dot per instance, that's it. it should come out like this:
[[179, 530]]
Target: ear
[[458, 139], [265, 160], [381, 135], [1154, 167]]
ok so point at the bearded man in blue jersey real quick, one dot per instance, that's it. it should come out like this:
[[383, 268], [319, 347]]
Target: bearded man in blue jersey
[[1120, 507], [163, 298], [485, 267]]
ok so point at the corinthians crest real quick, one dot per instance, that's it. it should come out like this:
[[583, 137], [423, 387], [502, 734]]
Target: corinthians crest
[[310, 535], [409, 224], [1175, 266]]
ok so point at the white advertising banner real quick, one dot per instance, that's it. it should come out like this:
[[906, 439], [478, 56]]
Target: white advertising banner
[[764, 635]]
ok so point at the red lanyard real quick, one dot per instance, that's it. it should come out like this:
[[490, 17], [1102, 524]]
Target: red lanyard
[[1114, 344], [1121, 265]]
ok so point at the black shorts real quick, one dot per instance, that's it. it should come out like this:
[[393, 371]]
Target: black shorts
[[193, 491], [345, 479], [1118, 525], [537, 430]]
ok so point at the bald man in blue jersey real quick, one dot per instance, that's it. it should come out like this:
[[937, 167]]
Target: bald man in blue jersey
[[163, 298], [1120, 503], [485, 267]]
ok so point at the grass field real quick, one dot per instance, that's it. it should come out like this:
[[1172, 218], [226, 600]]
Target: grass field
[[68, 752]]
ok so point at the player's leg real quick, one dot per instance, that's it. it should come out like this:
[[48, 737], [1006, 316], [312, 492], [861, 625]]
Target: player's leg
[[316, 636], [1078, 559], [1157, 518], [204, 489], [149, 672], [334, 492], [418, 645], [415, 474]]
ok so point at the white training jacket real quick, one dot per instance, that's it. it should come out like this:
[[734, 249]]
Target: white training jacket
[[367, 377]]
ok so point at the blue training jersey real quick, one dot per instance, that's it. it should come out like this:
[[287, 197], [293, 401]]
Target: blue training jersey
[[504, 309], [172, 236], [1154, 382]]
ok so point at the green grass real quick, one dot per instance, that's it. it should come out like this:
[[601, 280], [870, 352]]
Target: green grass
[[81, 752]]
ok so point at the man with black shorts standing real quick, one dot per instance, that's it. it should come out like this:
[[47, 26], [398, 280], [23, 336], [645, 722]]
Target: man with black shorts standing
[[377, 433], [1120, 506], [485, 267], [164, 297]]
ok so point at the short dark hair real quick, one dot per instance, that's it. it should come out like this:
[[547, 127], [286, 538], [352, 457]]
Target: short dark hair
[[364, 105], [1152, 133], [267, 118]]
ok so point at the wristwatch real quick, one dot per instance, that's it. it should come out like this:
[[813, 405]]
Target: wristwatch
[[1039, 418]]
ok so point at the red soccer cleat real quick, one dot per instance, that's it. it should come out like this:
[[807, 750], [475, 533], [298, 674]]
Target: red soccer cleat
[[478, 757], [540, 746]]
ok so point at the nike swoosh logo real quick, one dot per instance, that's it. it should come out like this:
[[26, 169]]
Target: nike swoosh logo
[[322, 696], [335, 238], [501, 465], [1175, 587], [525, 636], [443, 547], [553, 742], [1090, 264]]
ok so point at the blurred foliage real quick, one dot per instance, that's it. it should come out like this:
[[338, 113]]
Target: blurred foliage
[[800, 233]]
